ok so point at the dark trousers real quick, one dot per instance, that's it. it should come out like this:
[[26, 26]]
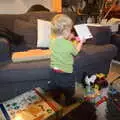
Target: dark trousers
[[62, 83]]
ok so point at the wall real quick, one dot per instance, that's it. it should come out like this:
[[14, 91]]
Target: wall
[[21, 6]]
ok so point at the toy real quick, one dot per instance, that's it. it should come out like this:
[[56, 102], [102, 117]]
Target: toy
[[98, 79], [93, 85], [90, 80]]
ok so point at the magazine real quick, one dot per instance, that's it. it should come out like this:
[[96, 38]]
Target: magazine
[[83, 31]]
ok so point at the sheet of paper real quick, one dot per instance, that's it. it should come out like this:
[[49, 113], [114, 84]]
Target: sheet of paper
[[43, 33], [83, 31]]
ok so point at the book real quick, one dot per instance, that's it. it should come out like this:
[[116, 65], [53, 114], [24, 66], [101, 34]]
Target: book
[[32, 104], [83, 31], [43, 33]]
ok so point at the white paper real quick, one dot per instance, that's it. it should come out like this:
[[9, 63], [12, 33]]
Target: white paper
[[43, 33], [83, 31]]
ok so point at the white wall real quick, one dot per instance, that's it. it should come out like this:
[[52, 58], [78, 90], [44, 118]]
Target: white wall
[[20, 6]]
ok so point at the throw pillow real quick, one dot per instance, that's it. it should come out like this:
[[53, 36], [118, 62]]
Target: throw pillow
[[101, 35], [43, 33], [28, 30], [11, 36]]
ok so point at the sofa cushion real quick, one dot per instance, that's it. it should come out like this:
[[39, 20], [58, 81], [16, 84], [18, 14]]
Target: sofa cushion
[[101, 35], [28, 30], [4, 50], [12, 37], [91, 54], [27, 71]]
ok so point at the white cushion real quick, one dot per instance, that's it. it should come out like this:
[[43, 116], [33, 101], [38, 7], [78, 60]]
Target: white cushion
[[43, 33]]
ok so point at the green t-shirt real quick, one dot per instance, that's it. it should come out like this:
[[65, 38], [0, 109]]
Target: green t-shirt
[[62, 52]]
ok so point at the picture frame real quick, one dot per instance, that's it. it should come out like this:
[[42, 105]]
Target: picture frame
[[3, 113]]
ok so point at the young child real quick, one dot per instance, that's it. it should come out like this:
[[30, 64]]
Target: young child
[[62, 57]]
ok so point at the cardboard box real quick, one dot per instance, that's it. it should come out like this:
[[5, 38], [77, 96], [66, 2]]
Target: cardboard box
[[32, 105]]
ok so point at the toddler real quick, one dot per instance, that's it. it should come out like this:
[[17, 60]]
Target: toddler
[[62, 57]]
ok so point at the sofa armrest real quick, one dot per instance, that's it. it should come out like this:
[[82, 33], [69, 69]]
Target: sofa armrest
[[4, 50]]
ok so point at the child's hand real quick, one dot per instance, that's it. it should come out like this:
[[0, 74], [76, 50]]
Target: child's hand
[[71, 37], [82, 39]]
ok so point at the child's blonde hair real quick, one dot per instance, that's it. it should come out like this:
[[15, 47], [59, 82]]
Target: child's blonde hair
[[61, 23]]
